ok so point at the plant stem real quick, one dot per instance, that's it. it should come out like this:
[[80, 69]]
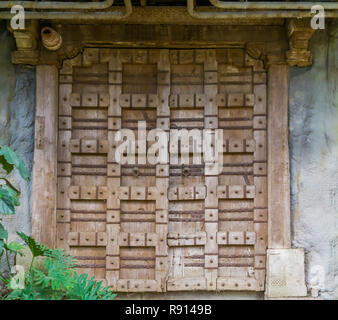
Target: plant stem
[[30, 267], [8, 264]]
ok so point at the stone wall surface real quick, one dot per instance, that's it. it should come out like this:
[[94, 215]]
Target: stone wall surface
[[17, 103], [313, 122], [313, 140]]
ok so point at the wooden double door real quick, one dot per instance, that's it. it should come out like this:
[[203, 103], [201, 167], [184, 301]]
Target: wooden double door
[[166, 226]]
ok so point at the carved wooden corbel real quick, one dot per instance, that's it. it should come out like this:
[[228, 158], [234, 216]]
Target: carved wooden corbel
[[254, 51], [29, 48], [269, 54], [299, 32], [27, 44]]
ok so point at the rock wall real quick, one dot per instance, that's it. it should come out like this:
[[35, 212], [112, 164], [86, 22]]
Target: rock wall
[[313, 151], [17, 104], [313, 122]]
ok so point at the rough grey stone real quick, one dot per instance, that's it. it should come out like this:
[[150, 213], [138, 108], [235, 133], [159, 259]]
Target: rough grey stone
[[17, 105], [313, 110]]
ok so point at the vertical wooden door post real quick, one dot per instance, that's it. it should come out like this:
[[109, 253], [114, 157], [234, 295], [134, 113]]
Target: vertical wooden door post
[[285, 265], [278, 155], [44, 170]]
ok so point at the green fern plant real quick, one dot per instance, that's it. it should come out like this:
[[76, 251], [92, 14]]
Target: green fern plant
[[59, 281], [88, 289], [9, 195], [9, 199]]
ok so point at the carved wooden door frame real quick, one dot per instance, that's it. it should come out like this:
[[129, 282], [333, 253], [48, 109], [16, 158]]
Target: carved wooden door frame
[[45, 156]]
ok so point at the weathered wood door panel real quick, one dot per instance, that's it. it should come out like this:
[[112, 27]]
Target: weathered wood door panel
[[177, 225]]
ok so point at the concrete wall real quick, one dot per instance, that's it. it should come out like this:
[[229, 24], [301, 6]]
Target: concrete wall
[[313, 145]]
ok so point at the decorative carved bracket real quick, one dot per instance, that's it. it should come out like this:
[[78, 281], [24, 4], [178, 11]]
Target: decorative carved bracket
[[27, 43], [299, 32], [269, 54]]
